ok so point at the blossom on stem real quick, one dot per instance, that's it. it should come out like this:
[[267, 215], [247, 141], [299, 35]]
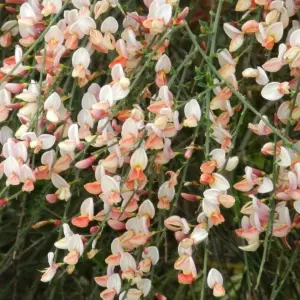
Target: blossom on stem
[[270, 35], [86, 214], [138, 163], [215, 282], [63, 188], [192, 113], [158, 17], [75, 247], [275, 90], [49, 272], [80, 61], [162, 68]]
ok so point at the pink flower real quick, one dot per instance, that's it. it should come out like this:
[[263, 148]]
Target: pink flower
[[75, 247], [80, 61], [275, 90], [275, 64], [49, 273], [86, 213], [158, 17], [215, 282], [270, 35], [192, 113], [236, 36]]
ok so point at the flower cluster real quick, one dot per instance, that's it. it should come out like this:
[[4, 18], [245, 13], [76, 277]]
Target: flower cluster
[[104, 104]]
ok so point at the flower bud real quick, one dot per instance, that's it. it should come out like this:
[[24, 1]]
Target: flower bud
[[41, 224], [206, 179], [3, 202], [92, 253], [70, 269], [189, 152], [189, 197], [94, 229], [85, 163]]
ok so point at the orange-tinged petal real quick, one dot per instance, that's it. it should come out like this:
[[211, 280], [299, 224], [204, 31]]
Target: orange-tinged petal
[[81, 221]]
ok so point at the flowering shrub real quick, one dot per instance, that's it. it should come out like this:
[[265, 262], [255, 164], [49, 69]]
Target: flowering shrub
[[147, 153]]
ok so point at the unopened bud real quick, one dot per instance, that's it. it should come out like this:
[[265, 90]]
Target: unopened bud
[[3, 202], [206, 179], [57, 222], [85, 163], [92, 253], [296, 222], [11, 9], [94, 229], [70, 269], [189, 197], [41, 224], [189, 152]]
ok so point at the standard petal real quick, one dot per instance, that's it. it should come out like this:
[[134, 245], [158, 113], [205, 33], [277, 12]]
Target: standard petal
[[270, 91]]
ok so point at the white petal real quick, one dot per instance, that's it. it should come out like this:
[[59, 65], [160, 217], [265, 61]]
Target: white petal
[[144, 285], [53, 101], [153, 253], [11, 166], [62, 244], [86, 24], [192, 108], [73, 133], [284, 159], [163, 64], [110, 24], [114, 282], [232, 163], [198, 235], [220, 182], [270, 91], [129, 128], [276, 31], [147, 208], [106, 94], [26, 173], [214, 277], [81, 57], [88, 100], [117, 72], [109, 184], [295, 38], [58, 181], [251, 247], [75, 243], [87, 208], [139, 158], [165, 13], [297, 206], [219, 156], [54, 33], [48, 158], [266, 186], [85, 117], [262, 78], [118, 92], [48, 140], [230, 30]]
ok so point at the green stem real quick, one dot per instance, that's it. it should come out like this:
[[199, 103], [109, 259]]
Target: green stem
[[270, 221], [277, 274], [288, 270], [186, 60]]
